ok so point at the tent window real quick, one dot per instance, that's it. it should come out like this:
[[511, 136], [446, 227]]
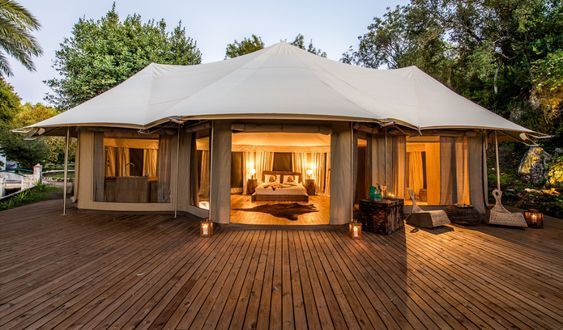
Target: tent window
[[131, 169]]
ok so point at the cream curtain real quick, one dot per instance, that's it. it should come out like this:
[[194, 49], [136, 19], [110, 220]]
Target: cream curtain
[[389, 170], [454, 171], [150, 157], [164, 167], [123, 162], [99, 167], [316, 161], [110, 161], [247, 165], [264, 161], [415, 172], [203, 191]]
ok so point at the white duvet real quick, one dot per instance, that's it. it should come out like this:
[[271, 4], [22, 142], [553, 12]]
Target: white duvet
[[280, 189]]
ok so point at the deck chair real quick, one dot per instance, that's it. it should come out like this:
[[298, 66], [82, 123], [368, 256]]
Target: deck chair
[[426, 219], [503, 217]]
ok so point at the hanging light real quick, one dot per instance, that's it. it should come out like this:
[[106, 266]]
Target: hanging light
[[534, 218], [355, 229], [206, 228]]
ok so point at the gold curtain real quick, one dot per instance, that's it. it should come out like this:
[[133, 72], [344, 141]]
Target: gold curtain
[[110, 161], [389, 170], [454, 171], [123, 162], [203, 191], [150, 157], [264, 161], [164, 167], [415, 172], [247, 165]]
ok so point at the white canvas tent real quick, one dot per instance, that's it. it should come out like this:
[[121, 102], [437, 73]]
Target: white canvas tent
[[278, 89], [281, 81]]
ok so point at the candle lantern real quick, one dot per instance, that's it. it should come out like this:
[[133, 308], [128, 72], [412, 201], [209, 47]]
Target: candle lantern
[[206, 228], [355, 229], [534, 218]]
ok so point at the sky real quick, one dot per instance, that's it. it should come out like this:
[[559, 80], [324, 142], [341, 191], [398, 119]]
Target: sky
[[332, 25]]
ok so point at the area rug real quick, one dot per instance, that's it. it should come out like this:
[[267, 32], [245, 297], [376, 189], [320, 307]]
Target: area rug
[[288, 211]]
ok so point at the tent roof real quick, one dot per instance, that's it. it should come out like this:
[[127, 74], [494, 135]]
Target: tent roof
[[281, 81]]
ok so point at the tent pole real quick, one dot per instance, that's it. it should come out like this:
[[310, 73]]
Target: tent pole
[[176, 183], [497, 164], [352, 151], [385, 159], [211, 168], [65, 175]]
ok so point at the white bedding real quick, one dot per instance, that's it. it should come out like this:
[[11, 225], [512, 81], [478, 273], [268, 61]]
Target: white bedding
[[280, 189]]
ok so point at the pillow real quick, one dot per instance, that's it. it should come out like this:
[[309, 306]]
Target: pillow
[[291, 179], [269, 178]]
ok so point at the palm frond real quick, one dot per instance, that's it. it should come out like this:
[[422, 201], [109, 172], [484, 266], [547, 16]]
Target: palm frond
[[16, 40]]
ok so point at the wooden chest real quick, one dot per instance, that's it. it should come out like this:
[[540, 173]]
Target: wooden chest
[[382, 217]]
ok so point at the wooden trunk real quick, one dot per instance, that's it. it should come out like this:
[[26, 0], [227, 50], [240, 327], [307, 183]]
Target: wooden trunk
[[382, 217]]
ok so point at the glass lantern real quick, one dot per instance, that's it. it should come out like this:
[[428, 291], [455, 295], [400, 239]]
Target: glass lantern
[[534, 218], [355, 229], [206, 228]]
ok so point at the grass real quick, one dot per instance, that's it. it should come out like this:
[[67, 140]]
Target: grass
[[38, 193]]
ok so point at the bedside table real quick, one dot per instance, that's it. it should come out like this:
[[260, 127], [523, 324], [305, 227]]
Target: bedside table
[[310, 186], [251, 185]]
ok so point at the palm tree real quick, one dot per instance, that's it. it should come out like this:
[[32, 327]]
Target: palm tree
[[16, 25]]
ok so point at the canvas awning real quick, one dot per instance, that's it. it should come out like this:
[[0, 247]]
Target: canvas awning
[[281, 81]]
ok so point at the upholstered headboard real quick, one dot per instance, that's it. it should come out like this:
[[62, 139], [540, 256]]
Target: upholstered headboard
[[281, 174]]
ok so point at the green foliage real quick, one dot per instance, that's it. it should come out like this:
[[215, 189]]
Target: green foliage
[[9, 103], [299, 41], [254, 43], [13, 145], [555, 174], [16, 26], [103, 53], [504, 55], [246, 46], [38, 193]]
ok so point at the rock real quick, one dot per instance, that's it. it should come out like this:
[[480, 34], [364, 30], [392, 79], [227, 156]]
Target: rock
[[535, 165]]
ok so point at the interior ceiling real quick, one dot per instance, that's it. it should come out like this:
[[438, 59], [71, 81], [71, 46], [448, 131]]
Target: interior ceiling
[[279, 139]]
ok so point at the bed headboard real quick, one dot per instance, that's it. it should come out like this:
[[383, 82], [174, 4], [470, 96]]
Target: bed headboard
[[281, 174]]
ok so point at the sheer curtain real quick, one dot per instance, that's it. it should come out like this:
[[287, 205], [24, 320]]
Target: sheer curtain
[[318, 161], [150, 157], [247, 165], [203, 191], [415, 173], [123, 162], [110, 161], [390, 169], [264, 161], [454, 171], [164, 168]]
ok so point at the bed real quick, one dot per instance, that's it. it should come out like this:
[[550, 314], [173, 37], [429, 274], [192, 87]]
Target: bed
[[287, 187]]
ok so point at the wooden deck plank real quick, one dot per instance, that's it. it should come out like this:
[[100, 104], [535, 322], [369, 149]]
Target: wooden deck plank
[[152, 271]]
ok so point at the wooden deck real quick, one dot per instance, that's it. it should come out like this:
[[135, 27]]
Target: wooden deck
[[95, 271]]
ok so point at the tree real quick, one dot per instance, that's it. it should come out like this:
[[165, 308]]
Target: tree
[[103, 53], [504, 55], [254, 43], [299, 41], [246, 46], [16, 26]]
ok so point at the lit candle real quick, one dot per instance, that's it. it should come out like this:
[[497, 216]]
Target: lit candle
[[355, 232], [205, 228]]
